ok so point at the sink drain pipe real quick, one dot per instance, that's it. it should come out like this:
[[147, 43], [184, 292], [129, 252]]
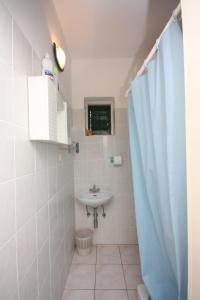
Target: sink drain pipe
[[95, 215]]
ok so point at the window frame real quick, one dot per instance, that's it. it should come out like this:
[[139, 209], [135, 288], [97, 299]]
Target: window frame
[[100, 101]]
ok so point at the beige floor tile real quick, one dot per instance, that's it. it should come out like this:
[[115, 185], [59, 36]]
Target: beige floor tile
[[132, 276], [110, 295], [108, 255], [132, 295], [130, 255], [109, 277], [88, 260], [78, 295], [81, 277]]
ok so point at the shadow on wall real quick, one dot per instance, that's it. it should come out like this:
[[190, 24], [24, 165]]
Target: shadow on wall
[[157, 15]]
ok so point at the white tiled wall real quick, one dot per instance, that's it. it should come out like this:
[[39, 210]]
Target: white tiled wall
[[91, 166], [36, 188]]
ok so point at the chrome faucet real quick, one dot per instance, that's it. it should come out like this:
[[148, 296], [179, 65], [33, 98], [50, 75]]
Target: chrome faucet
[[94, 189]]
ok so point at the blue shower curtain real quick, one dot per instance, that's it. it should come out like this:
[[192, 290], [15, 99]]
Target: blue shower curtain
[[157, 139]]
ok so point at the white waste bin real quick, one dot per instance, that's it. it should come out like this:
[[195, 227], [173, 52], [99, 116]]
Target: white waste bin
[[83, 239]]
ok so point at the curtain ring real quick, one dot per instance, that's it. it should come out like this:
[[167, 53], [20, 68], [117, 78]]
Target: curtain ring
[[174, 16], [145, 66], [157, 44]]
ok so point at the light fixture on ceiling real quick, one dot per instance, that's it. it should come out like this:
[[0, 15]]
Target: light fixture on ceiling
[[60, 57]]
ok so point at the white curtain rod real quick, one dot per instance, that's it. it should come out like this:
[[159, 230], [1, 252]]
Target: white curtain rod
[[175, 14]]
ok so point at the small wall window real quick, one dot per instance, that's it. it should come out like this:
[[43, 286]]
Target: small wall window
[[99, 116]]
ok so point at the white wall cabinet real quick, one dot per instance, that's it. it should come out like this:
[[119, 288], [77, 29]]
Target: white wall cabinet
[[48, 112]]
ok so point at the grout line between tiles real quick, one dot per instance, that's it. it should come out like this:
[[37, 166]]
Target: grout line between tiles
[[15, 203], [49, 253], [123, 272], [37, 258], [95, 273], [120, 255], [93, 264], [116, 245]]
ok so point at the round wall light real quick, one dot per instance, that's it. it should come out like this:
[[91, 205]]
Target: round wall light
[[60, 57]]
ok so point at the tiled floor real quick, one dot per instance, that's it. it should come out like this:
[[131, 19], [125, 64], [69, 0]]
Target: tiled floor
[[108, 273]]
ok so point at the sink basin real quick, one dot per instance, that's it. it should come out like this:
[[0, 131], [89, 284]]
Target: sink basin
[[94, 199]]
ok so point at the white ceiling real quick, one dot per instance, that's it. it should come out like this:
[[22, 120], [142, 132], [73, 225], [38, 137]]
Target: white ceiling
[[112, 28]]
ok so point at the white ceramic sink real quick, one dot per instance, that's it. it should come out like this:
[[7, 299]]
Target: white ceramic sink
[[94, 199]]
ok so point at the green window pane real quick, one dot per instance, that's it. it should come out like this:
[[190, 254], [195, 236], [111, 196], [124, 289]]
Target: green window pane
[[99, 119]]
